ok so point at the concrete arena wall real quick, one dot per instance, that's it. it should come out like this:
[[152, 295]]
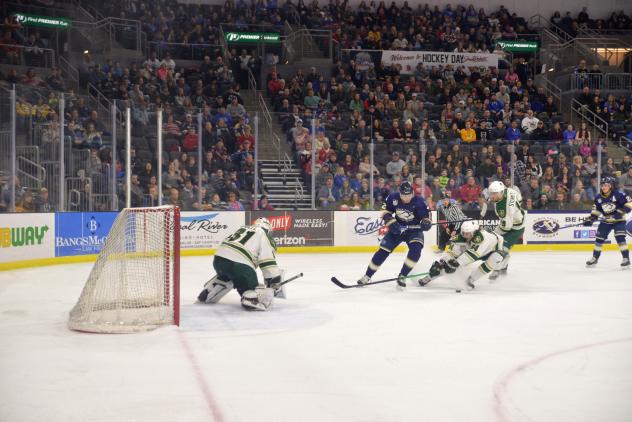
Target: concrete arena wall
[[28, 240]]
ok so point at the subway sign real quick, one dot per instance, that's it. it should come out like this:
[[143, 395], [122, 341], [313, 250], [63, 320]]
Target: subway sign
[[253, 37], [45, 21], [518, 46]]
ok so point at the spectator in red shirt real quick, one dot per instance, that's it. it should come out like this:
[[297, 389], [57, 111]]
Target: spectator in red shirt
[[190, 141], [275, 85], [469, 194]]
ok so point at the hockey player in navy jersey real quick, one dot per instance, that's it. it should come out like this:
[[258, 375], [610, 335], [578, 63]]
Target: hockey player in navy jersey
[[406, 217], [612, 205]]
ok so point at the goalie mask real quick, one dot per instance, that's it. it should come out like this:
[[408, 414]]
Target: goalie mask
[[264, 224]]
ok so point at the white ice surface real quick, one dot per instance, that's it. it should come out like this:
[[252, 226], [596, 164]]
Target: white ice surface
[[552, 341]]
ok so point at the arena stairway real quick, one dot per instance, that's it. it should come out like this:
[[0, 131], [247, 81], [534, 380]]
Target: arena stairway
[[283, 184]]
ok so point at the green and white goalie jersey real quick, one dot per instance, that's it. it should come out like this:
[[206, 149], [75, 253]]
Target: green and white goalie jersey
[[252, 246]]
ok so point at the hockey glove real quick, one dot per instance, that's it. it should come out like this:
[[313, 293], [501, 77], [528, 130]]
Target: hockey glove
[[451, 266], [589, 221], [395, 229], [271, 282], [425, 225], [436, 268]]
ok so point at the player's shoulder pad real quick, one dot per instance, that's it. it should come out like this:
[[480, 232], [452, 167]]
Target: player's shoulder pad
[[392, 197]]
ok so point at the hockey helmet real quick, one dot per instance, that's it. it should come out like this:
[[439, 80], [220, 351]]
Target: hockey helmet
[[496, 190], [608, 179], [405, 188], [496, 187], [469, 227], [264, 224]]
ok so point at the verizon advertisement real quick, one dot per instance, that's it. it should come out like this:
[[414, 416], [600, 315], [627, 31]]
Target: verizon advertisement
[[410, 59], [298, 228], [204, 230]]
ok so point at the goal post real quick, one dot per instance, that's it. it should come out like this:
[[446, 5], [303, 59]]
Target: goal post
[[135, 283]]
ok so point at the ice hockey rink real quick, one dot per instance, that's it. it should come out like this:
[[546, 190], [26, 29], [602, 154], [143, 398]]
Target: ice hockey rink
[[552, 341]]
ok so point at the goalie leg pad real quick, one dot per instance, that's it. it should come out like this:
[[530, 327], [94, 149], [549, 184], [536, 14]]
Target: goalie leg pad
[[259, 299], [216, 289]]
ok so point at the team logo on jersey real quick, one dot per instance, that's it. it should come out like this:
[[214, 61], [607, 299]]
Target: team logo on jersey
[[546, 227], [609, 207], [404, 215]]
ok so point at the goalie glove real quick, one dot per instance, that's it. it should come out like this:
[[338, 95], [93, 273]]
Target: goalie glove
[[451, 266], [274, 284]]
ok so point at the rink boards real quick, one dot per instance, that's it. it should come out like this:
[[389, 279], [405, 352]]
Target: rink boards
[[55, 238]]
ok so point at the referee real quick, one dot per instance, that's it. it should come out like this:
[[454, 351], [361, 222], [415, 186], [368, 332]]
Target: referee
[[448, 211]]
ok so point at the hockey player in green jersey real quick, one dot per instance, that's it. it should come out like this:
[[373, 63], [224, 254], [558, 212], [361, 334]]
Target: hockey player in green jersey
[[472, 244], [508, 206], [235, 263]]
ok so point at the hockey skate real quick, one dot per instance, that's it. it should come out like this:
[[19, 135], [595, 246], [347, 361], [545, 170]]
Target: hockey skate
[[593, 261], [625, 263], [365, 279], [401, 282], [493, 276]]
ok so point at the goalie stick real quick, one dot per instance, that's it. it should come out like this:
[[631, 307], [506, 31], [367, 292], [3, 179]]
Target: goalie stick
[[351, 286], [299, 275]]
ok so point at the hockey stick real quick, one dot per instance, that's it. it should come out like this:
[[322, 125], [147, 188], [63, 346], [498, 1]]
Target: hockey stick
[[451, 222], [299, 275], [580, 224], [351, 286]]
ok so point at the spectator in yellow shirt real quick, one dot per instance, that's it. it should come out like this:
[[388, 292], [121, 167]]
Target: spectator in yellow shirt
[[468, 135]]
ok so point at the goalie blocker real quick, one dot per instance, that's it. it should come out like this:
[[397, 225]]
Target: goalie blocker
[[235, 262]]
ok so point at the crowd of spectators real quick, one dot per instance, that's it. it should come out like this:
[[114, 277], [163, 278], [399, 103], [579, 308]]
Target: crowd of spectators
[[227, 139], [376, 25], [19, 48], [469, 118], [617, 21]]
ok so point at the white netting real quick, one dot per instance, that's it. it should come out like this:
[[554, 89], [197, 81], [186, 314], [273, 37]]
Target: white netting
[[132, 285]]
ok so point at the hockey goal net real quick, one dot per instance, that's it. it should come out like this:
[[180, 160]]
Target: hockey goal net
[[135, 282]]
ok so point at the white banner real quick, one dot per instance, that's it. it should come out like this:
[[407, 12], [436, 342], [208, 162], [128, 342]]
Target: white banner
[[27, 236], [362, 228], [204, 230], [545, 227], [410, 59]]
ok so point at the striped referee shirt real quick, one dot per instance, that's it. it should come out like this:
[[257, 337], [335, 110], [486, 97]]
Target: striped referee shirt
[[451, 213]]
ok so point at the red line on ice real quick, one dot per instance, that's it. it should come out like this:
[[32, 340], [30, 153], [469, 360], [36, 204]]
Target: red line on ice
[[206, 389], [501, 386]]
